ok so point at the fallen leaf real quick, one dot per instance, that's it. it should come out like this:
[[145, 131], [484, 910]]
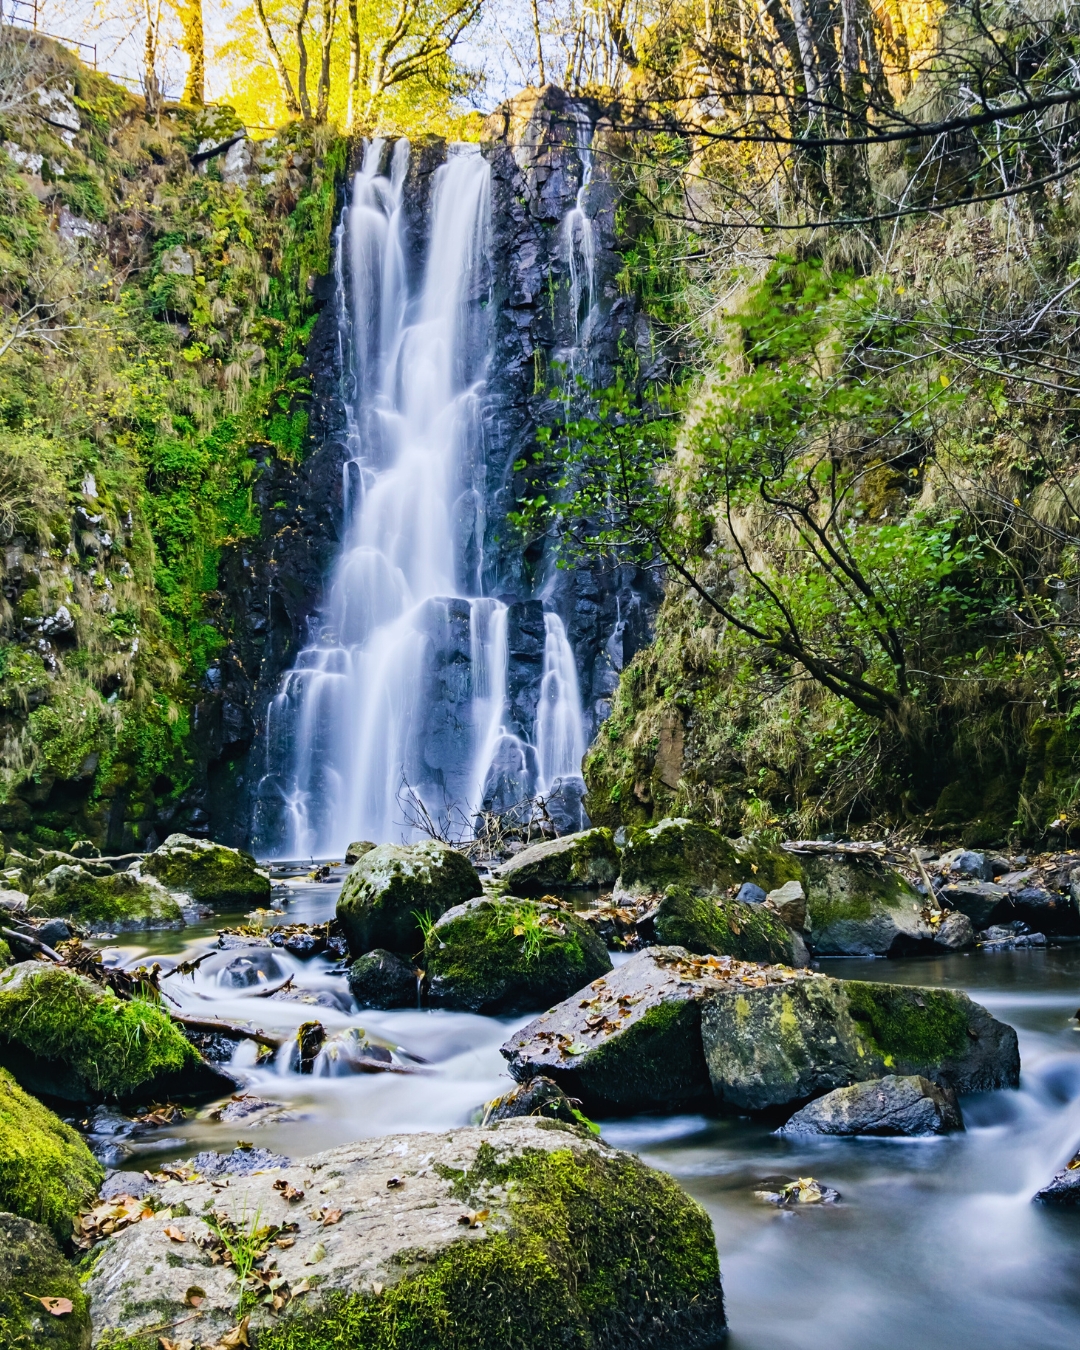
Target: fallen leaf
[[474, 1217], [331, 1216], [195, 1297], [174, 1234], [315, 1255], [59, 1307], [376, 1288], [288, 1191], [284, 1243], [238, 1335], [303, 1287]]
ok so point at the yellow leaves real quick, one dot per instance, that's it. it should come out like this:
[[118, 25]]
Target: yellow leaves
[[474, 1218], [174, 1234], [107, 1218]]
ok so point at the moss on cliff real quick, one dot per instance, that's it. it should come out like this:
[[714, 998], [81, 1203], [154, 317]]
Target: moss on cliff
[[46, 1171]]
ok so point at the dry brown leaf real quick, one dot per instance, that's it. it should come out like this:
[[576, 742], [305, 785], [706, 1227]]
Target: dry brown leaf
[[174, 1234], [59, 1307], [331, 1216], [238, 1335]]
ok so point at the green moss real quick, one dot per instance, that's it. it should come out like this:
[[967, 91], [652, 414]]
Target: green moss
[[715, 927], [120, 901], [851, 888], [908, 1025], [46, 1171], [592, 1243], [112, 1045], [214, 875], [507, 954], [656, 1063], [390, 886], [31, 1268], [5, 954]]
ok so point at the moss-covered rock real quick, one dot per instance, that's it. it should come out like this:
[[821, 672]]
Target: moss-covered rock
[[118, 903], [508, 955], [63, 1035], [395, 889], [31, 1269], [669, 1029], [380, 979], [573, 1244], [858, 906], [710, 926], [588, 860], [686, 853], [210, 873], [46, 1171]]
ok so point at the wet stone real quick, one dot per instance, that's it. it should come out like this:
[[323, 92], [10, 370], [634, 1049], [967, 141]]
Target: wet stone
[[379, 979], [884, 1106], [240, 1162], [1063, 1190]]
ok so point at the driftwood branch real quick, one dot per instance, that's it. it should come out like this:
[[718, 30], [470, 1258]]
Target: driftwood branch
[[232, 1030], [33, 942]]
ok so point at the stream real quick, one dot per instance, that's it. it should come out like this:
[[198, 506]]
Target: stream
[[935, 1241]]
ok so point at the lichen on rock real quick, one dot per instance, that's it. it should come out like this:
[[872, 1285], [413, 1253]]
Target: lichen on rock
[[528, 1234], [394, 887], [509, 955], [210, 873], [46, 1171]]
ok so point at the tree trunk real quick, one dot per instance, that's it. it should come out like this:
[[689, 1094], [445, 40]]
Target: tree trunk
[[190, 14], [282, 74], [302, 63], [354, 67], [539, 44], [322, 96], [150, 45]]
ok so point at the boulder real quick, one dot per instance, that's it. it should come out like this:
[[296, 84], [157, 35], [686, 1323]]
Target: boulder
[[710, 926], [780, 1045], [529, 1225], [789, 902], [859, 906], [668, 1030], [682, 852], [356, 850], [65, 1036], [379, 979], [892, 1105], [587, 860], [1048, 911], [46, 1171], [395, 886], [504, 955], [965, 862], [210, 873], [122, 903], [952, 931], [751, 894], [32, 1269], [538, 1097], [1063, 1190], [979, 900]]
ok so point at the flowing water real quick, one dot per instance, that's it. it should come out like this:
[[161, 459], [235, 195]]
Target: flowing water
[[935, 1243], [403, 688]]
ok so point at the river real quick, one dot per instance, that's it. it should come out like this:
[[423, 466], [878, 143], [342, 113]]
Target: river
[[934, 1243]]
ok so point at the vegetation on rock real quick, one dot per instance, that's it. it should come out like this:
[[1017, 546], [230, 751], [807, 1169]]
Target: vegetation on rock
[[209, 873], [33, 1270], [118, 903], [706, 925]]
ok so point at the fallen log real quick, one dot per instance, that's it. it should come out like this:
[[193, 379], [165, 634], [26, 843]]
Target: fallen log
[[232, 1030], [34, 943]]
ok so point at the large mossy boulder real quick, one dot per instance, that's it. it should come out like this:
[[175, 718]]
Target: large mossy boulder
[[507, 955], [685, 853], [396, 889], [64, 1036], [588, 860], [711, 926], [859, 906], [120, 903], [46, 1171], [523, 1236], [33, 1269], [210, 873], [669, 1030]]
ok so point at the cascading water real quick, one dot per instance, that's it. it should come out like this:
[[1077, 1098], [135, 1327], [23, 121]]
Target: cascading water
[[406, 680], [579, 238]]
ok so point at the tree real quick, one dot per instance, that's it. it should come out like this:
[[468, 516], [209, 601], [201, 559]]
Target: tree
[[190, 14]]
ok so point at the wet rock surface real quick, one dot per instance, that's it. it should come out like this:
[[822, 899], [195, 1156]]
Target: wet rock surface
[[538, 1097], [668, 1028], [586, 860], [403, 1228], [379, 979], [507, 955], [1063, 1190], [884, 1106], [392, 884], [711, 926], [210, 873], [33, 1269]]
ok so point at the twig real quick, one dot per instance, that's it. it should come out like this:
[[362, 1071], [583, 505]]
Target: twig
[[231, 1030], [34, 942], [276, 989]]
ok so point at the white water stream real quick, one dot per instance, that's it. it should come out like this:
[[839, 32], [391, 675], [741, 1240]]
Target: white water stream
[[406, 679]]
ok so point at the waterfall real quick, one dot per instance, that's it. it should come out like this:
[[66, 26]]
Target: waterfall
[[405, 676], [579, 239]]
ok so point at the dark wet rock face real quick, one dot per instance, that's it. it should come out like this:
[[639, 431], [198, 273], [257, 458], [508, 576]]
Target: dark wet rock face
[[884, 1106], [1063, 1191], [539, 1097], [379, 979]]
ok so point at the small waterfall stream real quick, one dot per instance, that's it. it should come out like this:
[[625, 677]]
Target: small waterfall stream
[[404, 682]]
